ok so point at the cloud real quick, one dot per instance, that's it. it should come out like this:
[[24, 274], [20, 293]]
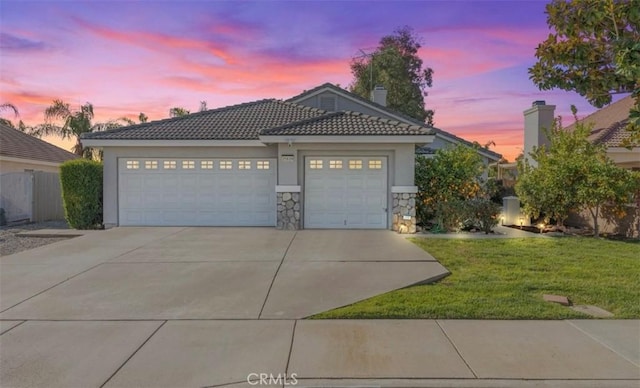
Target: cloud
[[15, 43], [162, 42]]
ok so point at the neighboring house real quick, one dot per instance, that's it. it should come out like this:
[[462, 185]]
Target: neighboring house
[[609, 128], [29, 180], [323, 159], [20, 152]]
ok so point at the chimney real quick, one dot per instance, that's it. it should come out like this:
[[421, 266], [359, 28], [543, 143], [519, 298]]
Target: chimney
[[537, 119], [379, 95]]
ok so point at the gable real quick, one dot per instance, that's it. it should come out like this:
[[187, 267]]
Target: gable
[[331, 99], [347, 101]]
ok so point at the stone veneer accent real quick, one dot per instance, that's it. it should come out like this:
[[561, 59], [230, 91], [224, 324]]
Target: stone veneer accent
[[404, 204], [288, 214]]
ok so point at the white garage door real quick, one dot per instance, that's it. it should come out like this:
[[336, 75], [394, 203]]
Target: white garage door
[[345, 192], [197, 192]]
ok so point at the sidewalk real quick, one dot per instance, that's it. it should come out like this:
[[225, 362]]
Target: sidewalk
[[322, 353]]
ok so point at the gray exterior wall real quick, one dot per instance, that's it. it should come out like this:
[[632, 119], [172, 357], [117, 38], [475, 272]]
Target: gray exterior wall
[[400, 159], [112, 154]]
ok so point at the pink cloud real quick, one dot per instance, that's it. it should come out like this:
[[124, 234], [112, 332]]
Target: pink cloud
[[158, 41]]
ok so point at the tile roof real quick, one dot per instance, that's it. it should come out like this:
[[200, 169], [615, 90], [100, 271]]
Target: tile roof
[[348, 124], [391, 112], [609, 123], [16, 144], [236, 122]]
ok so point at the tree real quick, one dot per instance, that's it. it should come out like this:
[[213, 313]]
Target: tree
[[143, 118], [75, 123], [8, 106], [395, 64], [445, 181], [572, 174], [178, 112], [594, 51]]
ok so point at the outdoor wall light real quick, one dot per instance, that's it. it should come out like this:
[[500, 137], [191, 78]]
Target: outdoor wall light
[[521, 222], [502, 220]]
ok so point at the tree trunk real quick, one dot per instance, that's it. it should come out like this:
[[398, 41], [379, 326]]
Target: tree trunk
[[594, 214]]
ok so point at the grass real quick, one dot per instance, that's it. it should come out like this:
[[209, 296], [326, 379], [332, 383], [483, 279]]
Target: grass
[[506, 278]]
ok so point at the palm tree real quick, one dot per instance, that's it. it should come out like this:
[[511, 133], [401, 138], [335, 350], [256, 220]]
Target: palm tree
[[75, 123], [11, 107]]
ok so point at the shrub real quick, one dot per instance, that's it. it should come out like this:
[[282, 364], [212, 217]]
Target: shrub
[[483, 213], [81, 182]]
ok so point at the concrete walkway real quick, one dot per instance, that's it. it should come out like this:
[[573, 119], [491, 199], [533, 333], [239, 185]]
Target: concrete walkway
[[362, 353], [499, 232]]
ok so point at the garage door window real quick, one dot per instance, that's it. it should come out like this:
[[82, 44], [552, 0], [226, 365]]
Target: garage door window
[[262, 165], [169, 165], [188, 164], [375, 164], [206, 164], [225, 165], [315, 164], [133, 165], [244, 165], [335, 164], [151, 164], [355, 165]]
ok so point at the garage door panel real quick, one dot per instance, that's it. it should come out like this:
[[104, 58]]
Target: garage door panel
[[343, 192], [190, 194]]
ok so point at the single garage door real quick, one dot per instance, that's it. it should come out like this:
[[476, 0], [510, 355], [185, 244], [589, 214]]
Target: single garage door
[[197, 192], [345, 192]]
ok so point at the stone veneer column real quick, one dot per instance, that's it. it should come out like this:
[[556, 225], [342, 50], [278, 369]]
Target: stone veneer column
[[288, 208], [404, 209]]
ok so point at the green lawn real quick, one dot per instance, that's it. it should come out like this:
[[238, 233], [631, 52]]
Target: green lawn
[[506, 278]]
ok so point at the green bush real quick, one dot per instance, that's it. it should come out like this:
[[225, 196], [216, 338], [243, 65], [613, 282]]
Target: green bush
[[81, 181], [483, 213]]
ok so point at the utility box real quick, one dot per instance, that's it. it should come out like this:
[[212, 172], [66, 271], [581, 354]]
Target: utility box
[[511, 212]]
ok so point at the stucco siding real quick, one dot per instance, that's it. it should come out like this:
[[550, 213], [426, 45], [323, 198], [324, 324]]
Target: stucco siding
[[13, 166]]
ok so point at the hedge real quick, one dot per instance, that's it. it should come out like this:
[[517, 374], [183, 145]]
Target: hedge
[[81, 182]]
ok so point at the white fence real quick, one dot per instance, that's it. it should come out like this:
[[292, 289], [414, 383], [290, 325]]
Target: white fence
[[31, 196]]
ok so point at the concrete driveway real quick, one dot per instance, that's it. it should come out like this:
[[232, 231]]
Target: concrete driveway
[[196, 307], [207, 273]]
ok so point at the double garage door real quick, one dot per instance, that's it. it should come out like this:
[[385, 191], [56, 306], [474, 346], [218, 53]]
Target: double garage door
[[196, 192]]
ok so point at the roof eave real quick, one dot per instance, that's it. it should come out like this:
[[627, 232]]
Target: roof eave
[[170, 143], [413, 139]]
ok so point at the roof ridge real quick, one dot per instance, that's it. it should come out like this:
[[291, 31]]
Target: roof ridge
[[180, 118]]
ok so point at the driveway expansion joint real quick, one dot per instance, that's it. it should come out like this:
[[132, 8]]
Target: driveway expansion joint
[[273, 280], [132, 354]]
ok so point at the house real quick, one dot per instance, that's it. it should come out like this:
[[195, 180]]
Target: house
[[333, 98], [322, 159], [29, 180], [20, 152], [608, 128]]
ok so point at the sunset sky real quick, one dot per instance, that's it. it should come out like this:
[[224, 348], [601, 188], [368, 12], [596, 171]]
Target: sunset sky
[[127, 57]]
